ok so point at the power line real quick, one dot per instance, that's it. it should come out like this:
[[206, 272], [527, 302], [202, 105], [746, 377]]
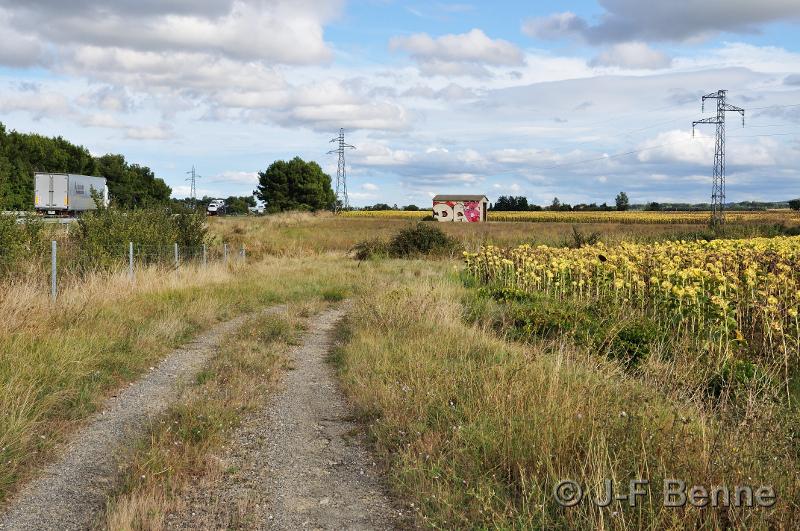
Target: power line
[[718, 186], [193, 189], [342, 202]]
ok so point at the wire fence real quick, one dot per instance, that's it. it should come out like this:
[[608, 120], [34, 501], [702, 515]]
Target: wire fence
[[57, 262]]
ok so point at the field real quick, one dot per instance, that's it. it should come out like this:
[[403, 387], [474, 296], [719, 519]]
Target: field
[[626, 217], [602, 354]]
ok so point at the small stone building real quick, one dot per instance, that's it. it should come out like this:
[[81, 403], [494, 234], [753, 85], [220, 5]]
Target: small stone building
[[466, 208]]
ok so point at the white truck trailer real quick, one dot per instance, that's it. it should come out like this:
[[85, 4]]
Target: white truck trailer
[[66, 194]]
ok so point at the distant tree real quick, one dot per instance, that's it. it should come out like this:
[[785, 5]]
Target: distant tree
[[794, 204], [556, 205], [295, 185], [23, 154], [503, 204], [411, 208], [237, 205], [511, 203], [379, 207], [131, 185], [653, 207], [622, 201]]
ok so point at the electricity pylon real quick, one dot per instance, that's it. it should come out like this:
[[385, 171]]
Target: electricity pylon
[[193, 190], [718, 188], [341, 181]]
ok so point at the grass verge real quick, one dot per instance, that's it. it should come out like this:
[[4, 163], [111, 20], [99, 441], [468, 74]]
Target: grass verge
[[479, 430], [59, 361]]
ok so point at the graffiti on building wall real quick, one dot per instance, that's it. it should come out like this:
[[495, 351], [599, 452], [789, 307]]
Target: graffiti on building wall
[[472, 211], [466, 211]]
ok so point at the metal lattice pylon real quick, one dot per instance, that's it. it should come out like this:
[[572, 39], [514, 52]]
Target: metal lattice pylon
[[718, 188], [341, 180], [193, 189]]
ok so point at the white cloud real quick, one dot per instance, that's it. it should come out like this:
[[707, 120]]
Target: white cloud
[[236, 177], [49, 105], [185, 191], [453, 91], [512, 189], [107, 98], [678, 146], [632, 55], [325, 105], [280, 31], [369, 186], [458, 55], [555, 27], [153, 72], [423, 169], [150, 132], [102, 120]]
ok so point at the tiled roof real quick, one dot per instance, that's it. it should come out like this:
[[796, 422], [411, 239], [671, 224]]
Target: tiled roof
[[460, 198]]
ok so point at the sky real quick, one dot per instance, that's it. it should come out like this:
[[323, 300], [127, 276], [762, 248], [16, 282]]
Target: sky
[[572, 99]]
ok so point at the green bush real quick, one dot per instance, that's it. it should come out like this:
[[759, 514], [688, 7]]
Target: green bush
[[630, 342], [732, 376], [370, 249], [421, 239], [415, 241], [107, 229], [21, 243], [29, 234]]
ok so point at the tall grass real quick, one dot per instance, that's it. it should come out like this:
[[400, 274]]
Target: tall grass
[[478, 430], [58, 361]]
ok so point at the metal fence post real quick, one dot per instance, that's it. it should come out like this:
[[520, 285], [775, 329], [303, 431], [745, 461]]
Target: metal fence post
[[242, 254], [130, 259], [225, 254], [205, 264], [176, 261], [53, 269]]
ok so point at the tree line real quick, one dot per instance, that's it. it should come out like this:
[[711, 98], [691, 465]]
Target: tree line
[[131, 185], [239, 205], [621, 202], [520, 204]]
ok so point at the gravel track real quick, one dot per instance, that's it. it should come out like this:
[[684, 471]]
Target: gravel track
[[298, 464], [322, 478], [69, 493]]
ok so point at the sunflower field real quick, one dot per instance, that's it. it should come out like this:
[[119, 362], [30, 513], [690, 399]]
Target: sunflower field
[[729, 295]]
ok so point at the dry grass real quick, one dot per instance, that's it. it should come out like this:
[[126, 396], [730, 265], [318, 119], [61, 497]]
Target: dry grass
[[303, 233], [58, 361], [479, 430]]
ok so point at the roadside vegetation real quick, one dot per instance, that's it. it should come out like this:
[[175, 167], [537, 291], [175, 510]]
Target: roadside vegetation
[[477, 394], [478, 421], [61, 360]]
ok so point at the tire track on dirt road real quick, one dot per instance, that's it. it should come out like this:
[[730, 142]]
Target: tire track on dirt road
[[321, 477], [69, 493]]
